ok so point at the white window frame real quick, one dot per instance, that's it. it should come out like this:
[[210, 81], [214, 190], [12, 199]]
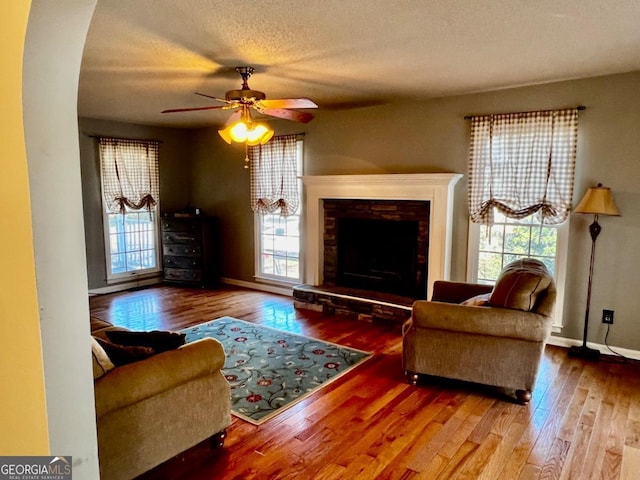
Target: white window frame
[[277, 279], [134, 274], [562, 248]]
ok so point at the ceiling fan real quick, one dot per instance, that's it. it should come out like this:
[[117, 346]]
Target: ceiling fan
[[245, 100]]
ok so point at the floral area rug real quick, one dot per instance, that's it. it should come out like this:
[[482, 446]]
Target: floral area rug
[[270, 370]]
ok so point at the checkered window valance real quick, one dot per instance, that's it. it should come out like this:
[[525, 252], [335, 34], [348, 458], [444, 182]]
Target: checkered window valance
[[274, 182], [130, 173], [521, 164]]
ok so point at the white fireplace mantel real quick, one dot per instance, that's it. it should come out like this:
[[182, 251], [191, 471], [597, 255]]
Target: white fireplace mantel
[[436, 188]]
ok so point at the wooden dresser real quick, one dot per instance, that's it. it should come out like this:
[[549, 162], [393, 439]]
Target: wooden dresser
[[190, 250]]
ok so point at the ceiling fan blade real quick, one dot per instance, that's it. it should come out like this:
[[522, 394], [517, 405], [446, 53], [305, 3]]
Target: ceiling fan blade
[[209, 96], [302, 117], [288, 103], [174, 110]]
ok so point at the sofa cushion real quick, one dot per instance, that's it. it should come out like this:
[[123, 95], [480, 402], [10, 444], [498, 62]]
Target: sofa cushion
[[99, 328], [101, 362], [160, 341], [457, 292], [478, 300], [519, 285], [121, 354]]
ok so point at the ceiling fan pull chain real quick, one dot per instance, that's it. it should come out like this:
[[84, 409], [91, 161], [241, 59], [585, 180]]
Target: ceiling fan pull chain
[[246, 156]]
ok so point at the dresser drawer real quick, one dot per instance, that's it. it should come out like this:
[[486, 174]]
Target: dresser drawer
[[181, 250], [182, 275], [173, 261], [180, 225], [181, 237]]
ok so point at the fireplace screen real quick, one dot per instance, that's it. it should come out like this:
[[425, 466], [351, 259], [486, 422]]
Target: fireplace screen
[[377, 254]]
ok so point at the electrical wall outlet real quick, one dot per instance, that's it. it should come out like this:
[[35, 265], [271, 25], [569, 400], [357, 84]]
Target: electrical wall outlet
[[607, 316]]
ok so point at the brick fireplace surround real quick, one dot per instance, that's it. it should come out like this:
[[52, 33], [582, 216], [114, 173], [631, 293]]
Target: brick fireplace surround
[[435, 188]]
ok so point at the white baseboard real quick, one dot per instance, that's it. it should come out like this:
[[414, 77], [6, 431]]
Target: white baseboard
[[119, 287], [264, 287], [570, 342]]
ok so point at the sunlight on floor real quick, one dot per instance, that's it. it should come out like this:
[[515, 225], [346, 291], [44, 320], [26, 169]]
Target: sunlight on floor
[[138, 311], [283, 318]]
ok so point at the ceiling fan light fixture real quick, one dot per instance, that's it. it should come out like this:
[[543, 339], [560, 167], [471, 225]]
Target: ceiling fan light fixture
[[259, 134], [238, 132], [249, 132], [226, 136]]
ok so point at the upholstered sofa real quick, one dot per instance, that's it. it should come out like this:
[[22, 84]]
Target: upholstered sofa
[[153, 409], [492, 335]]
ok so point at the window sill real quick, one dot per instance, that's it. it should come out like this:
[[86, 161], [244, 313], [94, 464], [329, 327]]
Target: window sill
[[134, 277], [276, 282]]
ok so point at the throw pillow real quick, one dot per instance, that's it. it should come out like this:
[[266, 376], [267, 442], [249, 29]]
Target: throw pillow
[[101, 362], [519, 285], [160, 341], [478, 300], [121, 354]]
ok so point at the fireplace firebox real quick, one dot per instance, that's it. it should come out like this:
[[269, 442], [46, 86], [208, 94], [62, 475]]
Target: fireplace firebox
[[377, 245], [378, 255]]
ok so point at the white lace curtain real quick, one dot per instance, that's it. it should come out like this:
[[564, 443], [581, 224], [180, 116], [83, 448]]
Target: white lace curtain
[[523, 163], [274, 182], [130, 173]]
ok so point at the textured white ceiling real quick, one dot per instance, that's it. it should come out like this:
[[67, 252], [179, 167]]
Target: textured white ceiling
[[144, 56]]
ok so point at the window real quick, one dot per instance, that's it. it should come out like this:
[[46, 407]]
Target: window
[[132, 240], [521, 172], [279, 247], [511, 240], [514, 239], [130, 187], [278, 238]]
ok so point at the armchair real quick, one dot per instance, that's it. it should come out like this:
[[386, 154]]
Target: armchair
[[497, 338]]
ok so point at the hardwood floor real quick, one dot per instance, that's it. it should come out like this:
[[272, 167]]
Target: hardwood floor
[[582, 423]]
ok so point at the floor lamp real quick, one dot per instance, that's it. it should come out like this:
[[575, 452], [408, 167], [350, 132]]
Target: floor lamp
[[597, 201]]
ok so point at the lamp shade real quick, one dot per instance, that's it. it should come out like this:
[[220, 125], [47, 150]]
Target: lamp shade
[[598, 201]]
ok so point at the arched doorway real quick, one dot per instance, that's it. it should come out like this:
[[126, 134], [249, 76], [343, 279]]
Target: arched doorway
[[53, 45]]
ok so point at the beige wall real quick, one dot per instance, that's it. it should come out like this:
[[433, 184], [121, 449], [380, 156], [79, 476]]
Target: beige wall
[[220, 187], [432, 136], [23, 415]]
